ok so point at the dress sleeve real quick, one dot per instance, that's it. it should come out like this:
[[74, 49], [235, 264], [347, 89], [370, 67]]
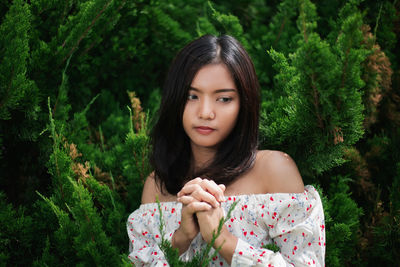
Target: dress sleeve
[[144, 233], [296, 226]]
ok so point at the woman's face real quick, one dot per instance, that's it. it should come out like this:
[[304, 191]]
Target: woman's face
[[212, 106]]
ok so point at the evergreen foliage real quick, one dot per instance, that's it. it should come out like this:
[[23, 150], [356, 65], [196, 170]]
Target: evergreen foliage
[[75, 71], [321, 110]]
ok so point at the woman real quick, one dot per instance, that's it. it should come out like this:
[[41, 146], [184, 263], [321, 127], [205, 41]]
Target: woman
[[205, 157]]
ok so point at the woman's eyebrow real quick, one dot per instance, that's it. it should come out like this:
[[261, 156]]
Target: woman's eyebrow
[[216, 91]]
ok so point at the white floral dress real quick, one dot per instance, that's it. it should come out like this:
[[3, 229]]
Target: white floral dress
[[292, 221]]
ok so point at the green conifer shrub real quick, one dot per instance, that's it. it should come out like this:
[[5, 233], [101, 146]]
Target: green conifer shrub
[[321, 111], [335, 76]]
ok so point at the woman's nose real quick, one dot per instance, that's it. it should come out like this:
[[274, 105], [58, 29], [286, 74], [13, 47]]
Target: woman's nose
[[206, 111]]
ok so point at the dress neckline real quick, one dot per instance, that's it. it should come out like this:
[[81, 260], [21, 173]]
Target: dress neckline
[[231, 198]]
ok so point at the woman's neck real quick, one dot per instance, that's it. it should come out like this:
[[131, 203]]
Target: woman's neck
[[202, 156]]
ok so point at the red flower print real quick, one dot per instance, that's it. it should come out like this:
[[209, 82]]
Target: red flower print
[[240, 253], [271, 199], [173, 210]]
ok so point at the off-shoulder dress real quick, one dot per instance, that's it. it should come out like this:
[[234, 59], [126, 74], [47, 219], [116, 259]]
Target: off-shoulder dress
[[292, 221]]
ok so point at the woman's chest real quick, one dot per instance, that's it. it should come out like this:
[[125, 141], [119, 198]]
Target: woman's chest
[[247, 184]]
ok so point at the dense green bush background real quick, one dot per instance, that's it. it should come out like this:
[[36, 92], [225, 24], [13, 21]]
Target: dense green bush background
[[74, 135]]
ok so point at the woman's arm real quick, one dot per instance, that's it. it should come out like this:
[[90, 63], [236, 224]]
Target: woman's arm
[[208, 223]]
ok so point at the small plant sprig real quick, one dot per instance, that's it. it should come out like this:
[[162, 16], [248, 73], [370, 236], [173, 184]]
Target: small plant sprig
[[272, 247], [201, 258]]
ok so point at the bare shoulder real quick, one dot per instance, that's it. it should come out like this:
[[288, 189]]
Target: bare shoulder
[[151, 189], [278, 172]]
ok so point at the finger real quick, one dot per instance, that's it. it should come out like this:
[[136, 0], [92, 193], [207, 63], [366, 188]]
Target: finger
[[213, 188], [197, 180], [198, 206], [186, 200], [222, 186], [201, 195], [196, 191], [189, 189]]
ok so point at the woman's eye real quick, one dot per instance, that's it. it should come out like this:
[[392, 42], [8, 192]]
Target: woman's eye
[[192, 97], [225, 99]]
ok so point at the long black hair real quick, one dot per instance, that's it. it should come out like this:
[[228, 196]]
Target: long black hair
[[171, 151]]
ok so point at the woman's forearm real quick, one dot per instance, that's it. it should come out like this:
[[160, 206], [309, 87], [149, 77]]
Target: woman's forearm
[[180, 241], [227, 242]]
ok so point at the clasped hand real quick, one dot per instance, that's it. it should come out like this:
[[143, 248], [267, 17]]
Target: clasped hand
[[201, 208]]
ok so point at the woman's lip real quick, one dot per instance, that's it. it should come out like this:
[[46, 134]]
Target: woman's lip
[[204, 130]]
